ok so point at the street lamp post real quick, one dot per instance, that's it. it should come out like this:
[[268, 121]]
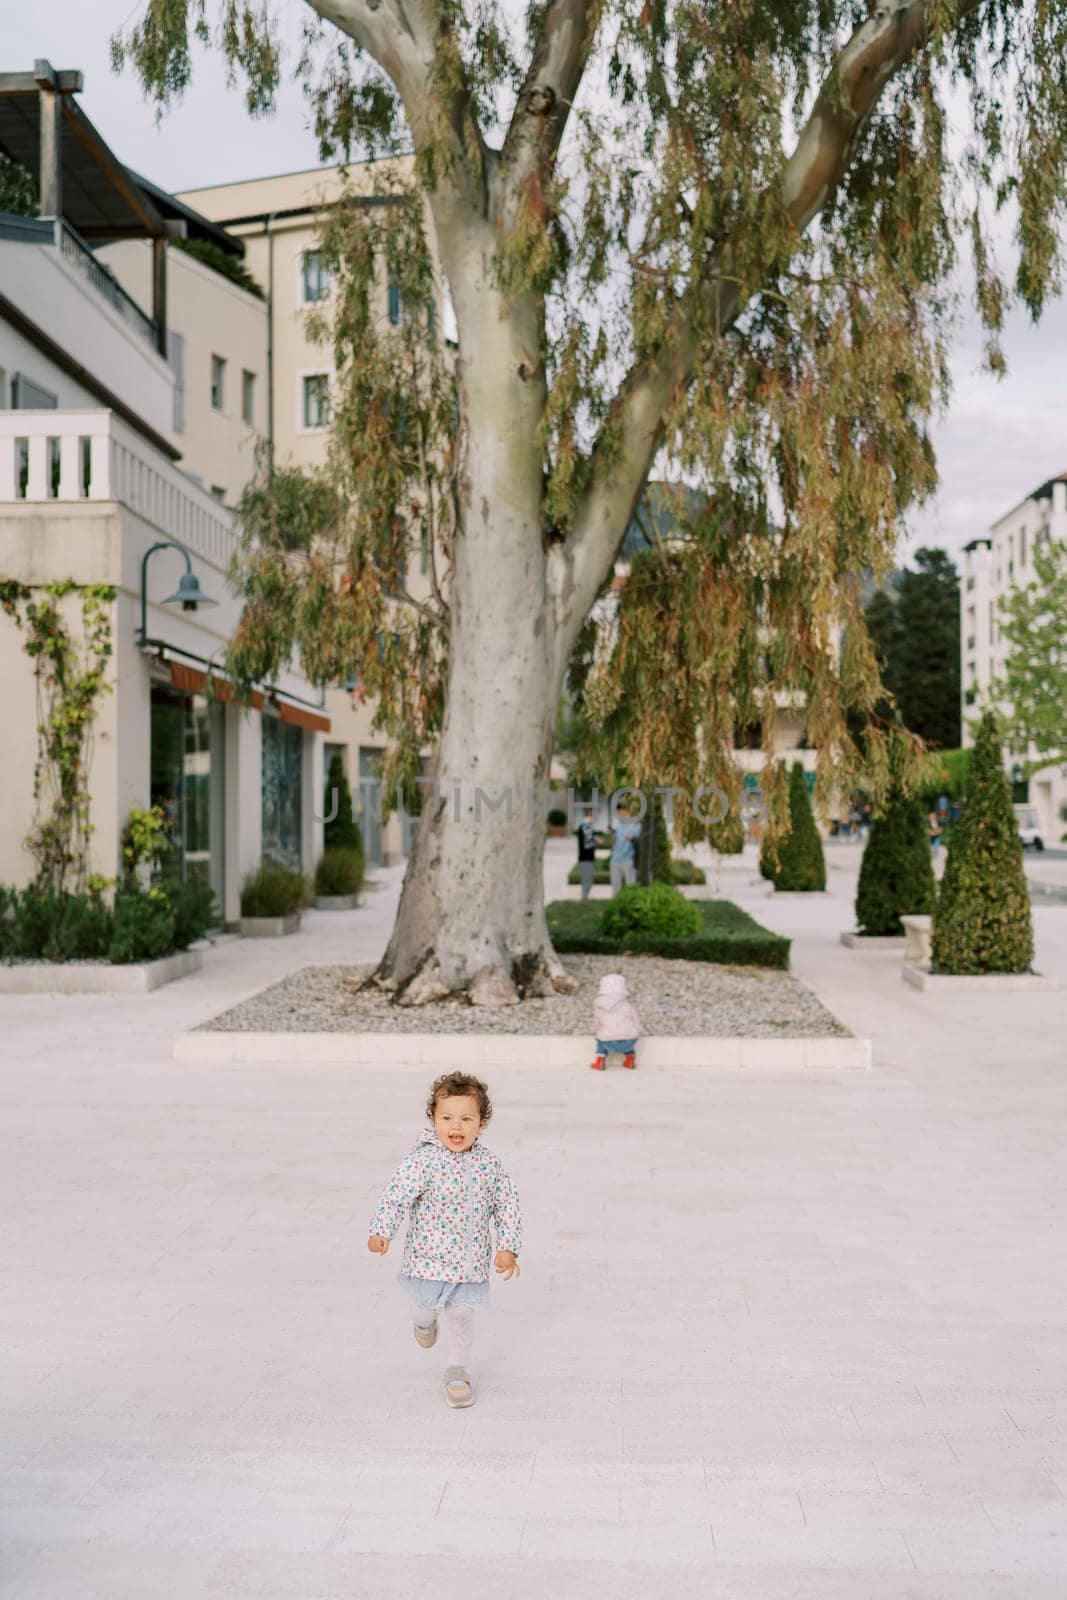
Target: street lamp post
[[188, 595]]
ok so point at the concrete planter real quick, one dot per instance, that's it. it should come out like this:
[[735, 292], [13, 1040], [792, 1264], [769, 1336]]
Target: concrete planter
[[573, 1052], [877, 941], [980, 983], [269, 927], [335, 902], [794, 894], [97, 977]]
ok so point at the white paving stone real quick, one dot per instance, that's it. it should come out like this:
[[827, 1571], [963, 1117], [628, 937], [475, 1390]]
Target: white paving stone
[[778, 1336]]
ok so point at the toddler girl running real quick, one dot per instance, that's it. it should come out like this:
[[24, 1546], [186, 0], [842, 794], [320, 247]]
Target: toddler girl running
[[458, 1193]]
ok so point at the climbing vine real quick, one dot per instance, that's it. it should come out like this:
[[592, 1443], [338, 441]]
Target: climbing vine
[[70, 678]]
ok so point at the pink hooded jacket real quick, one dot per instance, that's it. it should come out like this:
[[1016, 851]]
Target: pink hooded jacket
[[616, 1017]]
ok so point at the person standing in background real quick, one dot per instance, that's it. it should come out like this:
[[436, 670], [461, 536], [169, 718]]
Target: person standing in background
[[585, 833]]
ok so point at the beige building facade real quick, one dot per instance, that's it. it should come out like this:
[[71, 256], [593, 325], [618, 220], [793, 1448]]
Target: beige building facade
[[993, 565]]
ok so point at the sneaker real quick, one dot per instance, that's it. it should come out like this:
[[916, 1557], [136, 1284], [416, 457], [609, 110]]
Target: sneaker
[[426, 1336], [630, 1060], [598, 1064], [458, 1391]]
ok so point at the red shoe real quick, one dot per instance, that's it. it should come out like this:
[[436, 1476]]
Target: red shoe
[[630, 1060], [598, 1064]]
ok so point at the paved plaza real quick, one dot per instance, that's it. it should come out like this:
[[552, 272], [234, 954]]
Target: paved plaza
[[779, 1335]]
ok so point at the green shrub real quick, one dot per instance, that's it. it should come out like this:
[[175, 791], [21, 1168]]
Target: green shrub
[[800, 858], [682, 871], [272, 891], [727, 935], [659, 910], [896, 874], [982, 921], [194, 909], [342, 831], [48, 925], [766, 860], [339, 872], [557, 818], [728, 836], [142, 926]]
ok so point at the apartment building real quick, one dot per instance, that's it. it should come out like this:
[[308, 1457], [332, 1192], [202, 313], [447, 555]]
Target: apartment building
[[993, 565], [116, 469]]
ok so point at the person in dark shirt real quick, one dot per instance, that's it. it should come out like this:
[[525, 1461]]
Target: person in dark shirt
[[586, 836]]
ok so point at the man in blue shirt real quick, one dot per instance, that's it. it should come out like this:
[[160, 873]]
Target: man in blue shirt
[[624, 837]]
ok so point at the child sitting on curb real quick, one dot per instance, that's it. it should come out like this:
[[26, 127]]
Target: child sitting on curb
[[617, 1022], [458, 1192]]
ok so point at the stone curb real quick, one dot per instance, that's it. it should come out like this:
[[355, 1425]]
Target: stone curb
[[97, 977], [984, 983], [516, 1050], [269, 927]]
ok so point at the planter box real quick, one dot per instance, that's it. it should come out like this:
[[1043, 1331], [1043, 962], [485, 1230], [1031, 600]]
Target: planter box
[[97, 977], [335, 902], [570, 1051], [269, 927], [876, 941], [980, 983], [794, 894]]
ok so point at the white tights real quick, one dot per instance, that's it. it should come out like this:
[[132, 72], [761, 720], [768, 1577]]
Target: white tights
[[457, 1330]]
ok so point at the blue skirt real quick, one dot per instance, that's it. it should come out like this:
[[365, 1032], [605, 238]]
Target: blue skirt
[[432, 1294]]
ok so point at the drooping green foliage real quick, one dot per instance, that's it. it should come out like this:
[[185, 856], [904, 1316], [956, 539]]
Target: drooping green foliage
[[325, 554], [742, 219], [982, 922], [915, 628], [800, 859], [728, 835], [896, 874], [1033, 622]]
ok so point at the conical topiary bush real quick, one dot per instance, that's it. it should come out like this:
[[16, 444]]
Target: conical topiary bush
[[728, 835], [896, 873], [342, 831], [982, 920], [800, 859]]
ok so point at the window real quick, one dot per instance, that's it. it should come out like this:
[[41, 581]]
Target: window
[[394, 303], [316, 400], [315, 280], [248, 397], [218, 383], [1022, 547], [218, 492], [282, 783]]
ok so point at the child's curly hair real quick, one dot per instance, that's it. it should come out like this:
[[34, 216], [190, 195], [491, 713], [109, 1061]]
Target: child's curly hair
[[460, 1083]]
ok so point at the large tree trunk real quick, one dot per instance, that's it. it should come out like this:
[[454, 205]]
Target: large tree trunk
[[471, 918]]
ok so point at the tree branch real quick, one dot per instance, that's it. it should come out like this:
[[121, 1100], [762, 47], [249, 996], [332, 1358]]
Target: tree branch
[[547, 95], [633, 430]]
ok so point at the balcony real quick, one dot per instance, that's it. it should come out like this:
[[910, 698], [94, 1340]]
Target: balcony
[[65, 456]]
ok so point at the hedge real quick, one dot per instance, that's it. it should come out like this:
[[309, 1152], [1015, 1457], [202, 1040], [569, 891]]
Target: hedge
[[730, 936], [682, 872]]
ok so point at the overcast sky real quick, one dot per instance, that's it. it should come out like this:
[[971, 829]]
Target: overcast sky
[[999, 440]]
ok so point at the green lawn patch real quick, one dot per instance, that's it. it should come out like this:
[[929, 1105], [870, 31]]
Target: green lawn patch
[[729, 936]]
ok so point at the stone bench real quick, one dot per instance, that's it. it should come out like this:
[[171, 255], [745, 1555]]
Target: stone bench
[[918, 933]]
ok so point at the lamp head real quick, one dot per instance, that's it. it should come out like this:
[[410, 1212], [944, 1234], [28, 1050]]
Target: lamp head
[[189, 594]]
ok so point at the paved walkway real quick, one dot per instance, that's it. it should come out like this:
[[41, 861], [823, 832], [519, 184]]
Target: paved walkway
[[778, 1336]]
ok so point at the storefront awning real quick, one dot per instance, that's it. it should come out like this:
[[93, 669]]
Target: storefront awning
[[194, 680]]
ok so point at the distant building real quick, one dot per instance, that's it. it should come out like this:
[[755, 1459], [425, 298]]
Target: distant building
[[993, 565]]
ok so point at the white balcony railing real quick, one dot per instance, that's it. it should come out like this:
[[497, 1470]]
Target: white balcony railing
[[63, 456]]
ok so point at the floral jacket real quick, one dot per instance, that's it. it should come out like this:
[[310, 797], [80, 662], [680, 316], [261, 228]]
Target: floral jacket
[[457, 1200]]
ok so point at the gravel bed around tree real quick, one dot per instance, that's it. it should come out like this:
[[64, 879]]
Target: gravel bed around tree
[[672, 997]]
